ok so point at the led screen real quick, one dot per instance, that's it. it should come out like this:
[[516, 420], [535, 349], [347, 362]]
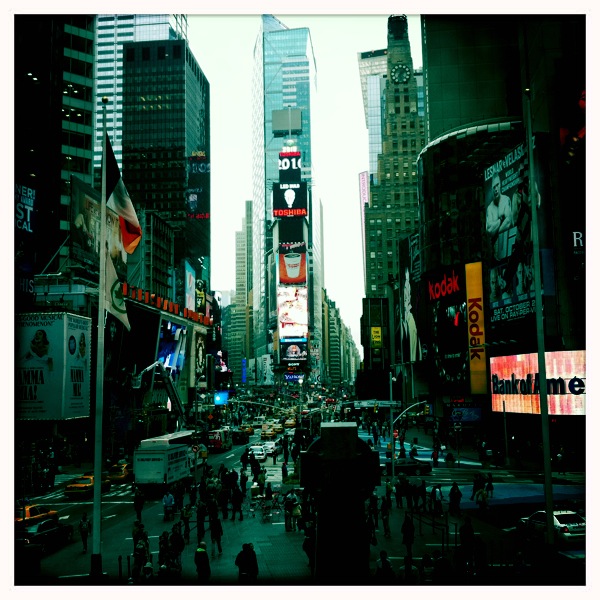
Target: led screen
[[292, 312], [290, 200], [515, 381], [221, 398]]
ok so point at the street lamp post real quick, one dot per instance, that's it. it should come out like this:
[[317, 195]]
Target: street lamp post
[[393, 440]]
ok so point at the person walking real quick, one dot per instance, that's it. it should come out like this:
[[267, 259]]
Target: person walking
[[489, 486], [85, 527], [202, 563], [243, 481], [237, 498], [216, 533], [186, 515], [284, 471], [247, 564], [454, 497], [384, 573], [176, 544], [201, 512], [168, 505], [385, 515], [138, 503], [408, 534], [373, 510]]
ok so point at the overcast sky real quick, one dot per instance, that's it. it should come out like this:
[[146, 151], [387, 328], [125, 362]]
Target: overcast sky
[[223, 47]]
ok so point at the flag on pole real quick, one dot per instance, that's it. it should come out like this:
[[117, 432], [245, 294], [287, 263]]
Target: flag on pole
[[120, 202], [115, 302]]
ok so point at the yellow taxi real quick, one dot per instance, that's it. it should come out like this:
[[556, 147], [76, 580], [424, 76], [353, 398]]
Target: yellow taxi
[[267, 434], [291, 422], [34, 512], [278, 428], [84, 486], [247, 428], [120, 473]]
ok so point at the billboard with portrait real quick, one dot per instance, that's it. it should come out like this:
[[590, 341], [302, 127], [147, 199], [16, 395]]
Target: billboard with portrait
[[509, 236], [293, 350], [85, 230], [53, 365], [515, 385]]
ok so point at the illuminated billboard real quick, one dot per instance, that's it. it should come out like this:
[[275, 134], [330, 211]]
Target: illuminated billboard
[[292, 312], [290, 167], [290, 200], [448, 317], [52, 367], [476, 332], [197, 205], [292, 252], [190, 286], [293, 350], [515, 383]]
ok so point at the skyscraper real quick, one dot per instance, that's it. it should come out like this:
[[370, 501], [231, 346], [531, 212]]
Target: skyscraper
[[284, 87], [112, 32], [166, 145], [393, 210]]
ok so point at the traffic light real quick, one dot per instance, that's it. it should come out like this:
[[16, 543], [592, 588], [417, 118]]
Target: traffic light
[[426, 409]]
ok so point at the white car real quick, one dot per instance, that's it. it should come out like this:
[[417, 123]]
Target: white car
[[569, 527], [273, 447], [259, 452]]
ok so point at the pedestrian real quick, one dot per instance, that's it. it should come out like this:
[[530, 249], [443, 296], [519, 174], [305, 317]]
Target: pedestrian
[[489, 486], [202, 563], [147, 575], [200, 519], [262, 478], [275, 455], [176, 544], [560, 461], [141, 556], [289, 504], [247, 564], [237, 499], [438, 510], [138, 502], [243, 481], [478, 483], [309, 545], [136, 530], [408, 534], [398, 492], [389, 488], [435, 457], [384, 573], [284, 471], [168, 505], [454, 497], [375, 436], [384, 510], [373, 509], [85, 527], [163, 548], [186, 515], [223, 497], [216, 533], [481, 498]]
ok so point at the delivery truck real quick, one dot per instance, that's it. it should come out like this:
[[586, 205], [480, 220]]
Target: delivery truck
[[156, 465]]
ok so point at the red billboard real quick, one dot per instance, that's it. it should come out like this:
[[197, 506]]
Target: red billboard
[[515, 382]]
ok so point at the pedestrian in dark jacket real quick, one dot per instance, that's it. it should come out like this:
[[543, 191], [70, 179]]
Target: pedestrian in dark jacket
[[236, 502], [247, 564], [138, 503], [454, 497], [85, 526], [216, 533], [202, 563], [408, 534]]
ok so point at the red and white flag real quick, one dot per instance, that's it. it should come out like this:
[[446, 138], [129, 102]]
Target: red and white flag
[[120, 202]]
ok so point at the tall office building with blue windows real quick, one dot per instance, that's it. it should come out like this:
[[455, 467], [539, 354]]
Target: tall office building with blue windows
[[284, 88]]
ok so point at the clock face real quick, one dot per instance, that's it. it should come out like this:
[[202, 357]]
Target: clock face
[[400, 73]]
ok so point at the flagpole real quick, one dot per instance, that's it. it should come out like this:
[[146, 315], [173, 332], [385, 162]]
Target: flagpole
[[96, 562]]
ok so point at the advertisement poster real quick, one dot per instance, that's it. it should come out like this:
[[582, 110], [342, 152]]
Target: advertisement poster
[[294, 350], [85, 229], [292, 312], [515, 382], [197, 205], [290, 200], [508, 226], [292, 252], [53, 363], [476, 332], [448, 316]]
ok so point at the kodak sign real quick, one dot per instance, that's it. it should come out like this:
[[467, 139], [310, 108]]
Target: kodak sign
[[476, 328]]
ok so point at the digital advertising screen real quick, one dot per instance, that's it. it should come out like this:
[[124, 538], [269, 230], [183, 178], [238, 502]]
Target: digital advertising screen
[[290, 167], [290, 200], [171, 345], [515, 383], [292, 312], [190, 286], [292, 252], [293, 350], [449, 327], [221, 398], [197, 204]]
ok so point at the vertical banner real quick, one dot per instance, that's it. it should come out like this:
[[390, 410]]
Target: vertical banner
[[476, 331]]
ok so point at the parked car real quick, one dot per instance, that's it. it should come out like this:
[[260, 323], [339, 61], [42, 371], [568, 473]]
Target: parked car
[[569, 526], [259, 452], [34, 512], [273, 447], [120, 473], [84, 486], [50, 534]]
